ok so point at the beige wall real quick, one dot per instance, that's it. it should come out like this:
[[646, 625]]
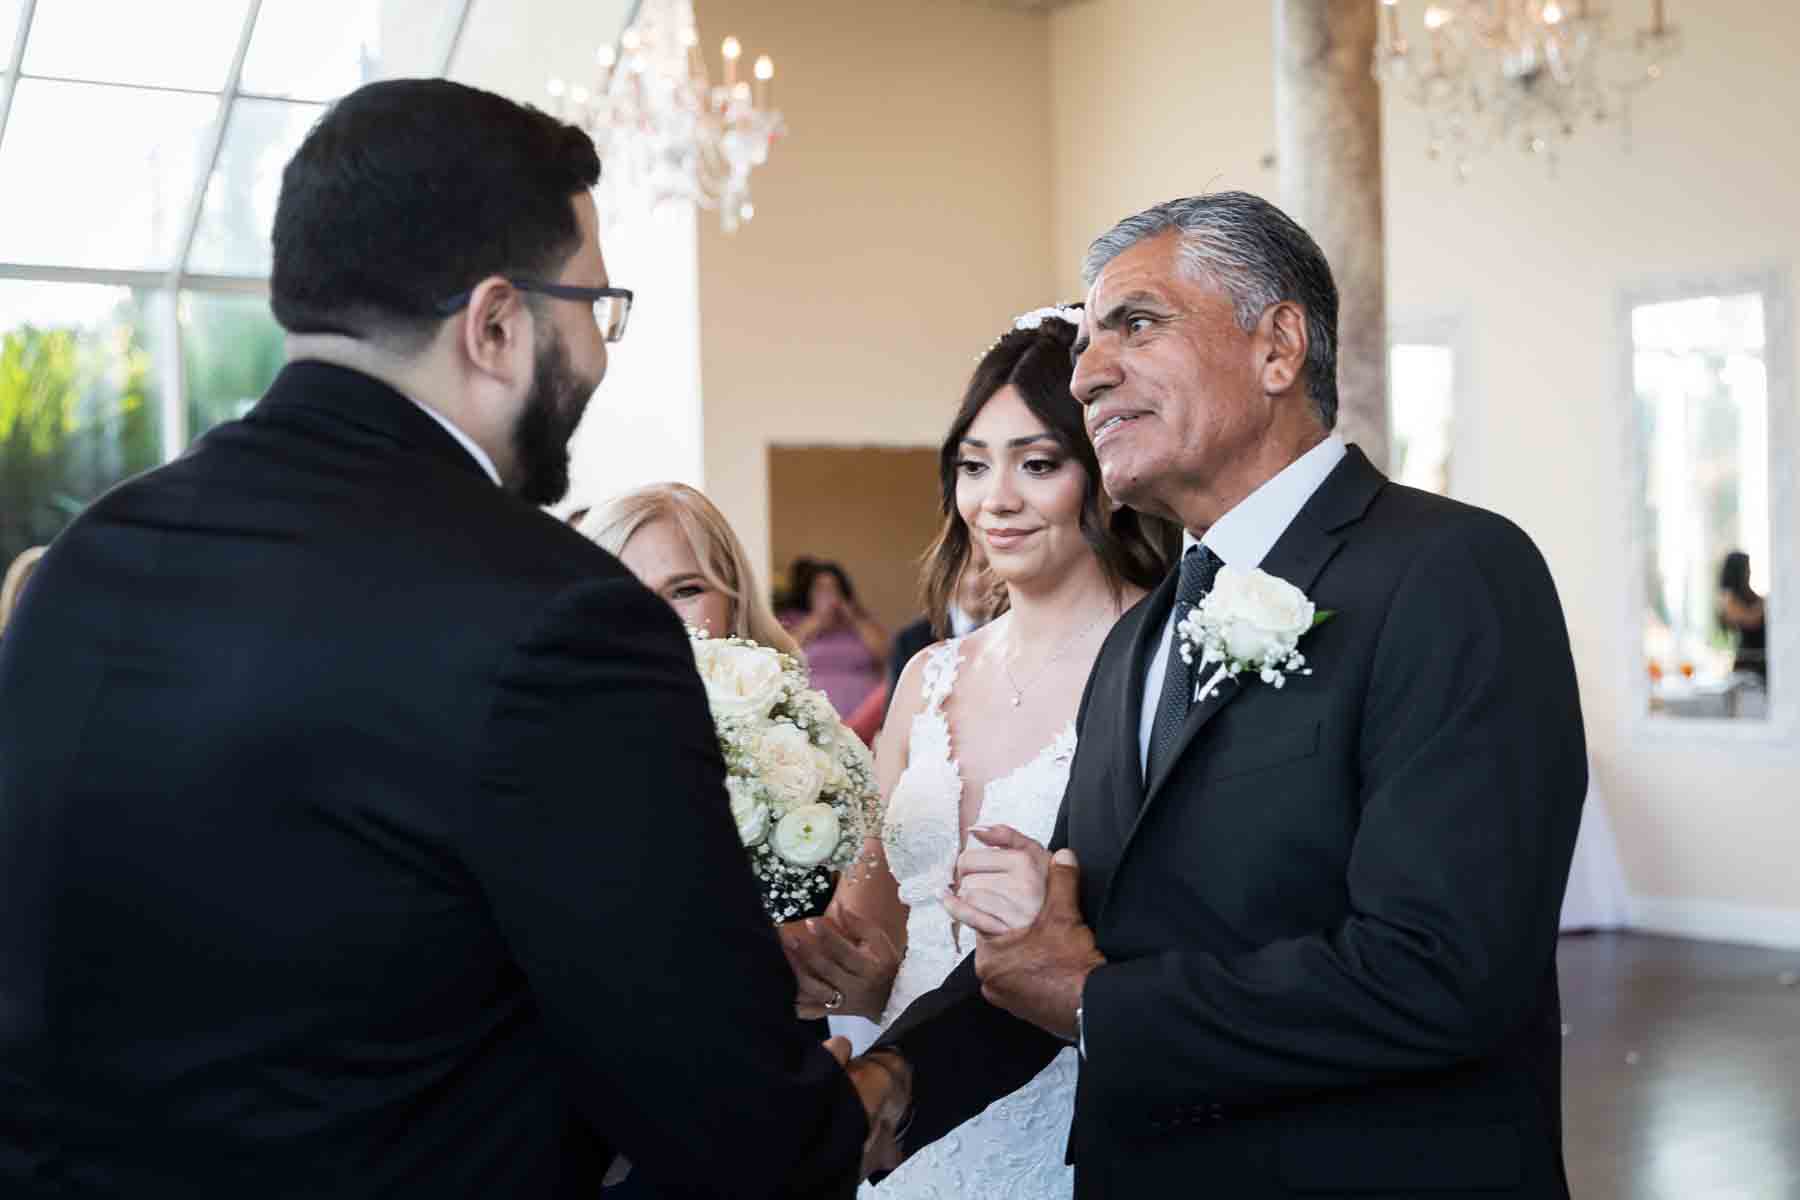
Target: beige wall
[[901, 224], [873, 510], [1154, 98]]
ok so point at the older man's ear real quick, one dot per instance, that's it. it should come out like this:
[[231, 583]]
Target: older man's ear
[[1282, 343]]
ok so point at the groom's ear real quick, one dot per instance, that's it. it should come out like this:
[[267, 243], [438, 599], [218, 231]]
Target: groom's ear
[[1281, 345]]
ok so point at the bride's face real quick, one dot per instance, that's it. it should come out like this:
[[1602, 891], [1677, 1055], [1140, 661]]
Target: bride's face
[[1019, 493], [661, 558]]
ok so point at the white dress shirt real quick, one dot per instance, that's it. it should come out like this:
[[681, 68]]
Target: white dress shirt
[[1242, 538], [462, 439]]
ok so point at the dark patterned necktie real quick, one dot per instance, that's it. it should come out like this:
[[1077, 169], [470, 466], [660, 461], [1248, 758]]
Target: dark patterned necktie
[[1199, 567]]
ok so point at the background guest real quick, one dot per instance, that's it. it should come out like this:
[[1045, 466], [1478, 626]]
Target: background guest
[[1743, 613], [845, 647], [673, 539], [14, 588]]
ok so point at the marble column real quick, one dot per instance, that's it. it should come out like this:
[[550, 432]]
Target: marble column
[[1328, 146]]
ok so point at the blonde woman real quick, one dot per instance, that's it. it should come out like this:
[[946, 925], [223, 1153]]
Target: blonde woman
[[683, 549], [14, 589]]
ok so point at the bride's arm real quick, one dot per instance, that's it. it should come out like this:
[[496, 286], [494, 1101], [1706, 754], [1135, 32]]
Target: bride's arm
[[856, 947]]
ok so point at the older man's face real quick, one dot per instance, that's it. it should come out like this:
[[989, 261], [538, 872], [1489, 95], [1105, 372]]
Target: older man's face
[[1169, 381]]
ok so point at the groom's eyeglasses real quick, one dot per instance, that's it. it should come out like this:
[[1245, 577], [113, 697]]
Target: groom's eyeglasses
[[612, 306]]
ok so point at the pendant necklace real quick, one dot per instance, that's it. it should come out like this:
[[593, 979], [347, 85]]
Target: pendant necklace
[[1018, 693]]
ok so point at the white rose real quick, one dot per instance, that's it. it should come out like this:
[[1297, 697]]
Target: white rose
[[787, 766], [807, 836], [750, 814], [1260, 617], [741, 681]]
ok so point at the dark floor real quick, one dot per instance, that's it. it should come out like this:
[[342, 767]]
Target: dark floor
[[1681, 1069]]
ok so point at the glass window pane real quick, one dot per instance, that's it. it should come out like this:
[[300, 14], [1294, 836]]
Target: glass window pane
[[78, 402], [110, 171], [9, 30], [1703, 401], [231, 350], [321, 49], [130, 41], [1421, 382], [235, 219]]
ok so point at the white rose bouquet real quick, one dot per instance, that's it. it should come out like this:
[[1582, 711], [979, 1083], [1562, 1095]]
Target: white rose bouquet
[[801, 785]]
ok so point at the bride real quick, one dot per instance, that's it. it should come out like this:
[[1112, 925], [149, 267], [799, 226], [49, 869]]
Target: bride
[[982, 729]]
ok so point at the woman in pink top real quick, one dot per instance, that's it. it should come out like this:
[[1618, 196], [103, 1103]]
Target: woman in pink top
[[846, 649]]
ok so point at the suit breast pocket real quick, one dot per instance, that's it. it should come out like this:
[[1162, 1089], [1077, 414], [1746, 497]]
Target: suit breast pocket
[[1240, 756]]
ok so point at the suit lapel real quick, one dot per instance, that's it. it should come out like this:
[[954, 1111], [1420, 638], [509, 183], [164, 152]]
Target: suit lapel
[[1298, 556]]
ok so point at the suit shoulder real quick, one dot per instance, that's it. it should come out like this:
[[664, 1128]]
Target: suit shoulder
[[1423, 521]]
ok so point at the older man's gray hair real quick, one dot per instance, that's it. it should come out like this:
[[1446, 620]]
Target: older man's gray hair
[[1257, 256]]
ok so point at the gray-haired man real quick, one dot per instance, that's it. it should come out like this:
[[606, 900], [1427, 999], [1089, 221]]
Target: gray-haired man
[[1304, 935]]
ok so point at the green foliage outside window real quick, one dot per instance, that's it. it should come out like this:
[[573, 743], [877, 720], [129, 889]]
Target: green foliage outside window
[[78, 414]]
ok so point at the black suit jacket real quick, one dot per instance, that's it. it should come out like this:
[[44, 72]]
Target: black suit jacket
[[1330, 921], [363, 833]]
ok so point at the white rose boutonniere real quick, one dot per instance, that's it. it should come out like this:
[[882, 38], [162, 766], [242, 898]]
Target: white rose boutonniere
[[743, 682], [1249, 621]]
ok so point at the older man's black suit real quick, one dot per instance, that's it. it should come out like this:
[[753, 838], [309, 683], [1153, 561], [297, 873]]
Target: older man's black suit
[[1330, 921], [363, 833]]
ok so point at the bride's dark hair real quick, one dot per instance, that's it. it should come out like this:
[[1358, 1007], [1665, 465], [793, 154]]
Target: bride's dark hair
[[1038, 363]]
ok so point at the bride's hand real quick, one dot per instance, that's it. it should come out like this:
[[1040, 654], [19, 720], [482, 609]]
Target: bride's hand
[[1000, 883], [843, 963]]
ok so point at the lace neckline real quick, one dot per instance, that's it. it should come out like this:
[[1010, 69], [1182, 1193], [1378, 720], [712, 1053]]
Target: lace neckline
[[940, 677]]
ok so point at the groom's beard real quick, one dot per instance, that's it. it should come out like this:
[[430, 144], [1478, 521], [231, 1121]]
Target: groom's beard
[[540, 437]]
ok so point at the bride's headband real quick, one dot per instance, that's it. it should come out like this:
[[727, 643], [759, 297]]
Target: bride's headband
[[1035, 320], [1037, 316]]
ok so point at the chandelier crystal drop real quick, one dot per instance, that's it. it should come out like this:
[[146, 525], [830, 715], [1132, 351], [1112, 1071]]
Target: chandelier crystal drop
[[666, 132], [1526, 72]]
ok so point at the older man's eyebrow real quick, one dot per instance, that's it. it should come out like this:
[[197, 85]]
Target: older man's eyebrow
[[1115, 316]]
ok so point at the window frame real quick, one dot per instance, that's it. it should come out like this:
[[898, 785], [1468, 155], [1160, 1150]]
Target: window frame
[[164, 288], [1780, 728]]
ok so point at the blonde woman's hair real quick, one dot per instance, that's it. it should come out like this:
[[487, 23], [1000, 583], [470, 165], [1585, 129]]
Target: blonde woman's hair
[[14, 588], [716, 548]]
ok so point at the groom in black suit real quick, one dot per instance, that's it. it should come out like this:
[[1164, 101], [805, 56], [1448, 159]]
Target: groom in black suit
[[363, 830], [1304, 936]]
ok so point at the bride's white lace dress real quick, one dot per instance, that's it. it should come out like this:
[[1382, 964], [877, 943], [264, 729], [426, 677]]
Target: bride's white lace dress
[[1013, 1150]]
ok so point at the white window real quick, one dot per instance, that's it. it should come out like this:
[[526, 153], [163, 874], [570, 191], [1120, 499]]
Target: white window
[[1707, 516], [1422, 410], [142, 152]]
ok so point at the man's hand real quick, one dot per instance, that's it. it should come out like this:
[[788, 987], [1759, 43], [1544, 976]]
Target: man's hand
[[844, 964], [883, 1081], [1037, 973], [1000, 883]]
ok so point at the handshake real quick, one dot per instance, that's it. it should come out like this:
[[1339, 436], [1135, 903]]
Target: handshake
[[1033, 953]]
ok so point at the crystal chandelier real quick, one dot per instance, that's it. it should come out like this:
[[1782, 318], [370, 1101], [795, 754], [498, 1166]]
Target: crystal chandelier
[[1526, 72], [665, 132]]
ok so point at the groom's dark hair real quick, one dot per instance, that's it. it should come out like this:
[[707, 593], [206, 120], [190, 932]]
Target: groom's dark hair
[[410, 191], [1036, 362]]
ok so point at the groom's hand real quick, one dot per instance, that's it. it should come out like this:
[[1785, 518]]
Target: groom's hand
[[1037, 973], [883, 1081]]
